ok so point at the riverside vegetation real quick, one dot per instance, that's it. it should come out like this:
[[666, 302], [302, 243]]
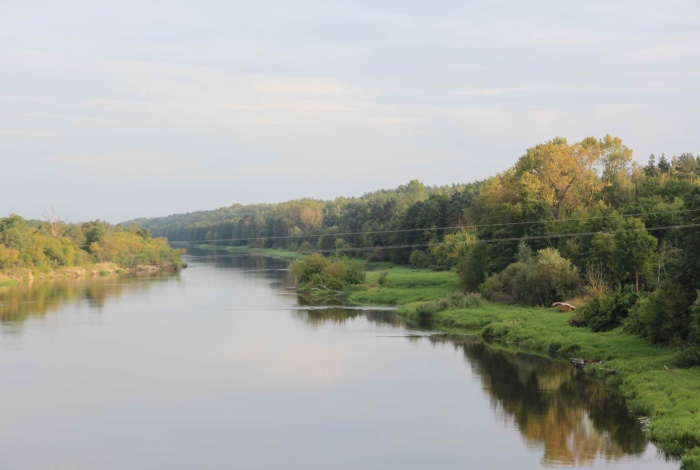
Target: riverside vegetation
[[53, 249], [576, 222]]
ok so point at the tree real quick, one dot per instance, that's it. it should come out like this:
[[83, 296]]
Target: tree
[[556, 172], [617, 171], [634, 251], [56, 227], [650, 169]]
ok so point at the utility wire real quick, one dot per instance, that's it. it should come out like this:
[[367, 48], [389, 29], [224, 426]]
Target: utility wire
[[493, 240], [503, 224]]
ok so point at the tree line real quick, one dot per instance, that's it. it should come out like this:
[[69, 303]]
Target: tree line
[[566, 220], [51, 244]]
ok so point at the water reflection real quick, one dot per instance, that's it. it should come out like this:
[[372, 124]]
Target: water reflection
[[340, 316], [232, 354], [552, 404], [26, 300]]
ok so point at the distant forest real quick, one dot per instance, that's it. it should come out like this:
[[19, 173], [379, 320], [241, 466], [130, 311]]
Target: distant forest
[[629, 232]]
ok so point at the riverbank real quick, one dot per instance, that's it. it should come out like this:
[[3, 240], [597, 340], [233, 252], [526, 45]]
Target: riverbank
[[245, 250], [14, 276], [647, 375]]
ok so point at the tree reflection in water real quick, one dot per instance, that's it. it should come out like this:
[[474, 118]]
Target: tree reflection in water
[[553, 404], [341, 315], [576, 420], [27, 300]]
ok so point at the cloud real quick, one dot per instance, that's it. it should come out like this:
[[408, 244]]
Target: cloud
[[314, 86], [6, 34], [491, 91], [566, 37], [136, 165]]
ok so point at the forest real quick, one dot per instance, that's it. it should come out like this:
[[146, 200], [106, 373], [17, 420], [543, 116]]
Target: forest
[[51, 244], [580, 222]]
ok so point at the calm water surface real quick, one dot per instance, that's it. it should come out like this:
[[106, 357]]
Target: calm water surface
[[222, 367]]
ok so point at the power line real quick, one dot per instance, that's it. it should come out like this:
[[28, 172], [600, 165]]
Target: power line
[[493, 240], [503, 224]]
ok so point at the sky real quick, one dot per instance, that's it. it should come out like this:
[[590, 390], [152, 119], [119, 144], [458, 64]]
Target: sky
[[117, 110]]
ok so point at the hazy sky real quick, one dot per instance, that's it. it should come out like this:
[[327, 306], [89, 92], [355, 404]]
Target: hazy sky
[[116, 110]]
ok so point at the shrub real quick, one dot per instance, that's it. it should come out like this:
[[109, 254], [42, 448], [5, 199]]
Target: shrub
[[319, 271], [534, 280], [577, 320], [354, 272], [461, 300], [663, 316], [688, 357], [305, 269], [426, 311], [383, 278], [419, 259], [608, 310]]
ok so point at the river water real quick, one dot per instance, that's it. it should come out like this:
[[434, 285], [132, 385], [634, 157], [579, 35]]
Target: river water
[[222, 366]]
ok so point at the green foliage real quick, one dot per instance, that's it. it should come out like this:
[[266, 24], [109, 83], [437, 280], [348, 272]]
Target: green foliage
[[634, 251], [305, 269], [662, 316], [688, 356], [453, 249], [606, 311], [534, 280], [50, 246], [403, 285], [420, 259], [472, 268], [425, 312], [691, 461], [317, 271]]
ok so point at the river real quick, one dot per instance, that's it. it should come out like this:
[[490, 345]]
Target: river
[[222, 366]]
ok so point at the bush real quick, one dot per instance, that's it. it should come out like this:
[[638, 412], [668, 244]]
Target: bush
[[419, 259], [383, 278], [688, 357], [664, 316], [577, 320], [426, 311], [461, 300], [318, 271], [608, 310], [534, 280], [305, 269]]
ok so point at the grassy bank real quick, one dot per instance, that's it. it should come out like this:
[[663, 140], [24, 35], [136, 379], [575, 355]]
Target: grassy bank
[[398, 285], [246, 250], [646, 374]]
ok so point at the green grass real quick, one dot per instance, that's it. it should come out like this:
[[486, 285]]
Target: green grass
[[403, 285], [8, 283], [271, 252]]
